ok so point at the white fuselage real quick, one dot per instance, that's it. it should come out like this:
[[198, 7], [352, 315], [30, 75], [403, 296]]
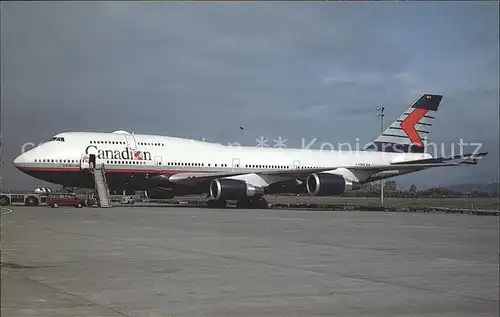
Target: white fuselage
[[151, 154]]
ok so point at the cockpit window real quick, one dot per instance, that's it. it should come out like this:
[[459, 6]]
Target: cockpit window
[[57, 139]]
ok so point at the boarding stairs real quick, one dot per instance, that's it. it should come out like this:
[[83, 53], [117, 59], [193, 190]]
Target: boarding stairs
[[101, 186]]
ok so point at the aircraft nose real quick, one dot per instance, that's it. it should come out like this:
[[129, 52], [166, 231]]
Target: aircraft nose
[[20, 161]]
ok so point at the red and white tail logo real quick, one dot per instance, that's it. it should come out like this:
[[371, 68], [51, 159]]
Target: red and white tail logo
[[412, 128]]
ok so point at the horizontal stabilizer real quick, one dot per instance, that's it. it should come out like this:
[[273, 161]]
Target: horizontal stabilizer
[[471, 158]]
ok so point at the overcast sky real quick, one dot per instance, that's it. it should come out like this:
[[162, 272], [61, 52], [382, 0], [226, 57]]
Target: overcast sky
[[295, 69]]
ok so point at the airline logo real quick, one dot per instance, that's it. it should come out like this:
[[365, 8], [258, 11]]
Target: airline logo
[[139, 155], [408, 125], [126, 154]]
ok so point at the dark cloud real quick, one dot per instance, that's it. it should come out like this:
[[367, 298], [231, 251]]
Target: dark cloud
[[299, 70]]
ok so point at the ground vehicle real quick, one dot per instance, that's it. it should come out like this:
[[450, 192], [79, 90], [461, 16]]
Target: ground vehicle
[[127, 200], [23, 198], [56, 200]]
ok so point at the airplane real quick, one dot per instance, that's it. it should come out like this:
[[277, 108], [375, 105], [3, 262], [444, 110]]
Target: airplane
[[165, 166]]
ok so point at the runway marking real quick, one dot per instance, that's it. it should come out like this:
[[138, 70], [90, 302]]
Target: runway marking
[[9, 211]]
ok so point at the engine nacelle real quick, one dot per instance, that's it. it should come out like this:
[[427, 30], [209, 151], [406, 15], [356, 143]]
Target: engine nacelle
[[229, 189], [327, 184]]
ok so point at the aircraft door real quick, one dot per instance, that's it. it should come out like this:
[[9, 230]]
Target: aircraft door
[[158, 163], [84, 162], [236, 162], [92, 161], [130, 141], [296, 164]]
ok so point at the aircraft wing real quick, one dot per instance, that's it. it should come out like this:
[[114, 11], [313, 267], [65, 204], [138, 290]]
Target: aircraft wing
[[458, 160], [401, 168]]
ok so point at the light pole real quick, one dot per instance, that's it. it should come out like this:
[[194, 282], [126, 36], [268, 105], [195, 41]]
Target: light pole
[[381, 115]]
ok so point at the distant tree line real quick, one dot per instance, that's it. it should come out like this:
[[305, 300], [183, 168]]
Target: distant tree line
[[391, 190]]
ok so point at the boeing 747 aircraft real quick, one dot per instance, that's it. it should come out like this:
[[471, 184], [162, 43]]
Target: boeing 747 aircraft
[[167, 166]]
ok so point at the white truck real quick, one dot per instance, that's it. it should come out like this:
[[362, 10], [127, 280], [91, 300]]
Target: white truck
[[23, 198]]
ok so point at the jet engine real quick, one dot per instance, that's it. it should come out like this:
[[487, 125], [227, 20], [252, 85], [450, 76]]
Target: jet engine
[[327, 184], [233, 189]]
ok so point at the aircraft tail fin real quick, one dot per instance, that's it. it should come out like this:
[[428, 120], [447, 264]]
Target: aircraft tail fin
[[409, 133]]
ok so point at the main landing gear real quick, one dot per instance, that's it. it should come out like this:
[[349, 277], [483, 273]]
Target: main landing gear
[[256, 203], [216, 203], [248, 203]]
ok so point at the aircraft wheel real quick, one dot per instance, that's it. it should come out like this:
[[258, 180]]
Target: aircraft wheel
[[31, 201], [216, 203], [243, 204], [260, 203], [4, 201]]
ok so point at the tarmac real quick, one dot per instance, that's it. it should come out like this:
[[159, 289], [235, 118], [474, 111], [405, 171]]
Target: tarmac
[[174, 261]]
